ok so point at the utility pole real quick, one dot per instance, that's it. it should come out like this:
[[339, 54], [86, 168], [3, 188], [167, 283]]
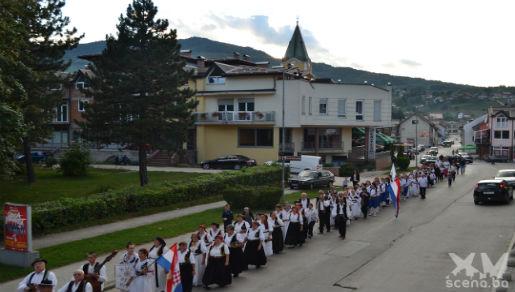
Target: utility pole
[[283, 183], [415, 122]]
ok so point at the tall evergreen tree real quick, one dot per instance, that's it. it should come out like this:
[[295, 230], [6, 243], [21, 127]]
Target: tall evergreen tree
[[37, 38], [140, 87]]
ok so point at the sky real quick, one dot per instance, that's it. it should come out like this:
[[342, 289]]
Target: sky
[[462, 41]]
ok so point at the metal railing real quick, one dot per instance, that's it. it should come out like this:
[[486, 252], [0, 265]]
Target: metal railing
[[234, 117], [323, 145]]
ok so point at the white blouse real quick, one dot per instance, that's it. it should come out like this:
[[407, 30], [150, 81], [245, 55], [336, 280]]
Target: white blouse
[[216, 250], [295, 218], [239, 225], [256, 234]]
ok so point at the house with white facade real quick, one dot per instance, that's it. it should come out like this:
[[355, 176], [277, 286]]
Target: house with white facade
[[416, 130], [498, 133]]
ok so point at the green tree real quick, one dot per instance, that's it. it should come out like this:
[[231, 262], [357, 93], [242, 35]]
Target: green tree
[[139, 84], [11, 131], [40, 37]]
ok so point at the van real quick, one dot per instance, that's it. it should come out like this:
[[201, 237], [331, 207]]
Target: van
[[306, 162]]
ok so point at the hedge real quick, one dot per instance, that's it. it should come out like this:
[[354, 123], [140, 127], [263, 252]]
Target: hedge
[[68, 212], [256, 198]]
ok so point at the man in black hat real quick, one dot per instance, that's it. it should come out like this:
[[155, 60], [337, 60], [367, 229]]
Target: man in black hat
[[40, 278]]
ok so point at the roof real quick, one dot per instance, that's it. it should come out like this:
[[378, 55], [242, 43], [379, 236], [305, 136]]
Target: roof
[[420, 117], [230, 70], [296, 48]]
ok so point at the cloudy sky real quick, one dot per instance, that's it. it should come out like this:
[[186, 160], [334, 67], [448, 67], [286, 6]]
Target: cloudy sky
[[462, 41]]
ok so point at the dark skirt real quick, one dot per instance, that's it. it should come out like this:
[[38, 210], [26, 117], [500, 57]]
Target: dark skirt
[[293, 235], [277, 240], [253, 256], [216, 272], [237, 262]]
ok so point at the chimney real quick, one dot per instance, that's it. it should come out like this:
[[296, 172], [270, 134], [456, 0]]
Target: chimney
[[201, 61], [186, 53]]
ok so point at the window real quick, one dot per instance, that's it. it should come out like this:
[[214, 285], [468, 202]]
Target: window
[[56, 87], [322, 109], [225, 105], [82, 105], [309, 105], [81, 85], [377, 110], [246, 105], [303, 105], [256, 137], [341, 108], [501, 122], [359, 110], [502, 134], [62, 113], [216, 80]]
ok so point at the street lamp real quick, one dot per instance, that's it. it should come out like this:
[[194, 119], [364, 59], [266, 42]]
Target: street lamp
[[283, 132], [415, 122]]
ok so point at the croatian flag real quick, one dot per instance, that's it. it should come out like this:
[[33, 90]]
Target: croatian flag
[[170, 262], [395, 190]]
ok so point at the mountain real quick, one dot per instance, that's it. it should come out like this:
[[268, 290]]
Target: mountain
[[410, 94], [215, 50]]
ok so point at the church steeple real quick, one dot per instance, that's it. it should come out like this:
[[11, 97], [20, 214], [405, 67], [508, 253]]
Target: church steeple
[[297, 54]]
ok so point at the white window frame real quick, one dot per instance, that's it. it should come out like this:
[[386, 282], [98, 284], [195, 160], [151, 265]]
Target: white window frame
[[84, 85], [322, 101], [342, 108], [59, 114], [501, 122], [79, 101], [359, 114]]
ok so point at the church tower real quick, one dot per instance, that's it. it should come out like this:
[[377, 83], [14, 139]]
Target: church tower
[[297, 54]]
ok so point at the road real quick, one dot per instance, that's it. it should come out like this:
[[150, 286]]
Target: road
[[405, 254]]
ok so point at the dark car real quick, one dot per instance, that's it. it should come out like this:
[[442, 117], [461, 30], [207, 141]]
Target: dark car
[[311, 179], [466, 157], [37, 157], [493, 190], [228, 162]]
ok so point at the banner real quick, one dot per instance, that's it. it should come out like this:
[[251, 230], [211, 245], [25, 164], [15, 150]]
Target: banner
[[17, 227]]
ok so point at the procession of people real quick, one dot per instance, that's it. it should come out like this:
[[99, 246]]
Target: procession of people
[[214, 255]]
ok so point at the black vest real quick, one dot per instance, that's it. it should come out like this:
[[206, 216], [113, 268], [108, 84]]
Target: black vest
[[79, 289], [42, 280], [85, 268]]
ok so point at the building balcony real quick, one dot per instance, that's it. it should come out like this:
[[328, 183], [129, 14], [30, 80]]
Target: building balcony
[[238, 118], [323, 146]]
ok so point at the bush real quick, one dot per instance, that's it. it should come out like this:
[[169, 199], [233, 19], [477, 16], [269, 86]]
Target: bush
[[51, 215], [256, 198], [403, 162], [50, 161], [75, 162]]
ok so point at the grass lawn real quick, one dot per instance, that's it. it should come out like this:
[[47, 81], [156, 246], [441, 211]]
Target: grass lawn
[[75, 251], [51, 185]]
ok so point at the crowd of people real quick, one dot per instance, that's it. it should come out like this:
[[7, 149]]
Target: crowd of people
[[216, 255]]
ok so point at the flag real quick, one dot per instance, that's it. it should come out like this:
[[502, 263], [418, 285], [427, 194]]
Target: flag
[[173, 278], [395, 190]]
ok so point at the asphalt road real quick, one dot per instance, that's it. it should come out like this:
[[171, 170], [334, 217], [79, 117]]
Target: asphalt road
[[405, 254]]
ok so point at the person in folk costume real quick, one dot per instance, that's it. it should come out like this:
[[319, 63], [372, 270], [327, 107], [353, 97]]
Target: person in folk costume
[[198, 249], [355, 204], [186, 266], [203, 235], [339, 211], [235, 242], [323, 207], [277, 233], [267, 229], [304, 200], [423, 183], [91, 268], [227, 215], [77, 284], [129, 257], [333, 195], [142, 278], [284, 215], [159, 272], [217, 266], [304, 231], [365, 197], [247, 215], [294, 233], [240, 223], [355, 177], [254, 251], [242, 236], [40, 276], [214, 231], [312, 217], [373, 203], [384, 195]]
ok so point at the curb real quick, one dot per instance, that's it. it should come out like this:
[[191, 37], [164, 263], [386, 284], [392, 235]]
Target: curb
[[506, 271]]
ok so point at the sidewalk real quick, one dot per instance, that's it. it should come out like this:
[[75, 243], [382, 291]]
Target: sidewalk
[[158, 168], [58, 238]]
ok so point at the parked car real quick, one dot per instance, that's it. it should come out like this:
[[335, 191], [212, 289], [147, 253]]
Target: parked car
[[311, 179], [466, 157], [493, 190], [428, 159], [278, 162], [421, 147], [447, 143], [37, 157], [228, 162], [508, 175], [306, 162], [494, 159]]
